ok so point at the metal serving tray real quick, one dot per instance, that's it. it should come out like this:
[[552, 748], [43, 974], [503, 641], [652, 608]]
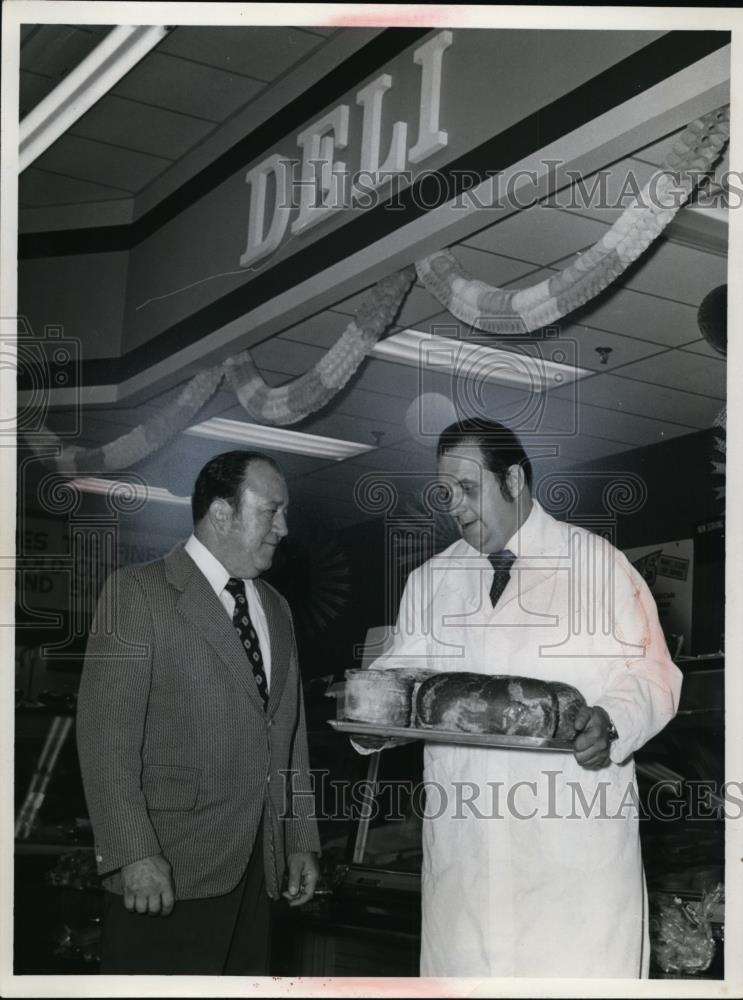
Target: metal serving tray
[[447, 736]]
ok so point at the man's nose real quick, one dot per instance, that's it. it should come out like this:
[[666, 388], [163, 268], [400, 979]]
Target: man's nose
[[280, 526]]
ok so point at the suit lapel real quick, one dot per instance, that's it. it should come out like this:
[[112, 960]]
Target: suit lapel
[[202, 609], [279, 630]]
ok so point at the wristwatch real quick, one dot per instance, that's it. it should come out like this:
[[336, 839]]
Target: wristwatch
[[612, 734]]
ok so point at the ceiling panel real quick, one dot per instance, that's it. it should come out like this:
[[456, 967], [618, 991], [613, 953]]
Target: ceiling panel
[[369, 405], [55, 49], [539, 234], [679, 272], [32, 88], [276, 355], [702, 347], [653, 319], [349, 427], [682, 370], [321, 330], [258, 52], [496, 269], [141, 127], [657, 401], [634, 431], [187, 87], [584, 341], [632, 313], [400, 380], [560, 418], [587, 341], [605, 194], [37, 187], [95, 161]]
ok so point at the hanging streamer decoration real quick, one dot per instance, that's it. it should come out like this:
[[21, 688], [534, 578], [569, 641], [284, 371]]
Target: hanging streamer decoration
[[474, 302], [495, 310], [280, 405]]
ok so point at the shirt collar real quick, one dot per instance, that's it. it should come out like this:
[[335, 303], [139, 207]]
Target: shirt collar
[[526, 540], [215, 573]]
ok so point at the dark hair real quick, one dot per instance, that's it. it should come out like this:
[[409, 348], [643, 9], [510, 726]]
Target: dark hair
[[222, 478], [499, 445]]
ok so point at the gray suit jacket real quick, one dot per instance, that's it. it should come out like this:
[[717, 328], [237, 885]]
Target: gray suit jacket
[[177, 753]]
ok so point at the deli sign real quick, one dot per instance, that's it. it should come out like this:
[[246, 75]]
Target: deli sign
[[289, 195]]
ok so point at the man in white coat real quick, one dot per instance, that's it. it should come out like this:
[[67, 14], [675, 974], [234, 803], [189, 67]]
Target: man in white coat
[[531, 860]]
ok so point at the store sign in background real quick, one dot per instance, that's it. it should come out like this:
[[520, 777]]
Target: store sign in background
[[60, 567], [488, 82], [49, 569], [667, 568]]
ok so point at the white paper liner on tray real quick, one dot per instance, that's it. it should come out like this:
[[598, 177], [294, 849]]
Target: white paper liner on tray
[[448, 736]]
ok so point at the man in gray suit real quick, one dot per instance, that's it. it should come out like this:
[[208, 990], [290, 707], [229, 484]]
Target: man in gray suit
[[192, 740]]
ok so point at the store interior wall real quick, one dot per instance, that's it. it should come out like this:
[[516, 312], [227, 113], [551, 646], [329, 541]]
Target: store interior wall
[[82, 294]]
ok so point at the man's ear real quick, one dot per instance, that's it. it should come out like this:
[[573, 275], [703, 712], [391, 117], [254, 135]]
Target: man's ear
[[516, 481], [220, 514]]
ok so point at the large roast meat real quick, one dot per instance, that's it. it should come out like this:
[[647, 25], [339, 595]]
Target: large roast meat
[[494, 704]]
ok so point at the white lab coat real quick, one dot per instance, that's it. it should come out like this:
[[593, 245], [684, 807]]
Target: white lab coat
[[555, 893]]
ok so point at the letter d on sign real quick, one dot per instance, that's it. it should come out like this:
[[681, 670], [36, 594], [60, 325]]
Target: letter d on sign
[[258, 244]]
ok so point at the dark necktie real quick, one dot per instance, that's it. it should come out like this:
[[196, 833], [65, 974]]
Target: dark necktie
[[248, 636], [501, 563]]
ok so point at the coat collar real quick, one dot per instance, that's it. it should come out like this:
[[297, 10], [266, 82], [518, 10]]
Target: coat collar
[[202, 608], [541, 546], [280, 631]]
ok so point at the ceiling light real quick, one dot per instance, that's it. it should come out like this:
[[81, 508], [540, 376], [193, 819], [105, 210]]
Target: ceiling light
[[277, 439], [128, 491], [474, 361], [102, 69]]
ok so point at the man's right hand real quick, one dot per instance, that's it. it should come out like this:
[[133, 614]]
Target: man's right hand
[[148, 886]]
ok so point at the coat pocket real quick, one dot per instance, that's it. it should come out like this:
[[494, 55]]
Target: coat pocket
[[170, 786]]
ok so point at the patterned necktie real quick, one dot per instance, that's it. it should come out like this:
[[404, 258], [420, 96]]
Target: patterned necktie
[[248, 636], [501, 563]]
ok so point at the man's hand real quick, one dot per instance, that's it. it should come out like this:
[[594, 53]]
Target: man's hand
[[148, 886], [592, 742], [303, 876], [377, 742]]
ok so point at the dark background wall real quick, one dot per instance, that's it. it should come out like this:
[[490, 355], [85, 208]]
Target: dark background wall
[[681, 488]]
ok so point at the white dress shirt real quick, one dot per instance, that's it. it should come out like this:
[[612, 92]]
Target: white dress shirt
[[217, 576]]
